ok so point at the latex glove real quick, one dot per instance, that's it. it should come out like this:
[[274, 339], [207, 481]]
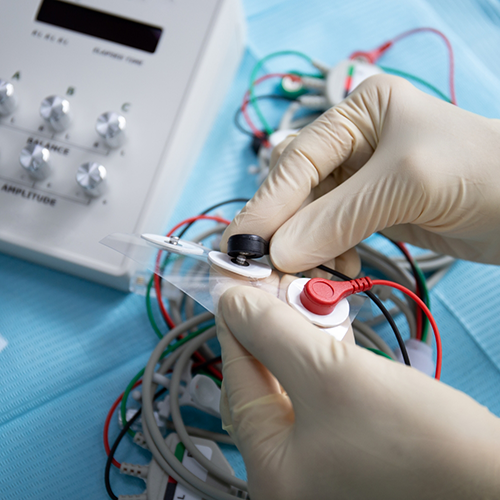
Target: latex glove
[[389, 156], [351, 425]]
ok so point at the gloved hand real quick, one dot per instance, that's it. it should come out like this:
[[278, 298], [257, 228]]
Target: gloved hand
[[391, 158], [351, 425]]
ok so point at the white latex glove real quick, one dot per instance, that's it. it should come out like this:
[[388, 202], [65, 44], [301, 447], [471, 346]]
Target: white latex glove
[[389, 156], [351, 425]]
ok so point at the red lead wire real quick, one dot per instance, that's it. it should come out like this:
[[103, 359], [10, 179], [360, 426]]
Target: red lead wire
[[246, 100], [107, 422], [373, 55], [342, 289], [157, 281], [426, 311], [420, 313]]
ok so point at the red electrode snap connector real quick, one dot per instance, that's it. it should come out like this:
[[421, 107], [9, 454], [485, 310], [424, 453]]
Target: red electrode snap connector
[[320, 296], [372, 55]]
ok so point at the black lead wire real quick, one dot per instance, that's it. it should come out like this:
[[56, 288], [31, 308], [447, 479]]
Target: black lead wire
[[382, 308], [118, 440], [418, 279]]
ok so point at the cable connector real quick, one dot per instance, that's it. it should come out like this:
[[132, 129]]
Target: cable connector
[[314, 83], [205, 394], [324, 68], [314, 101], [135, 470], [160, 379], [137, 395], [164, 407], [140, 440], [373, 55]]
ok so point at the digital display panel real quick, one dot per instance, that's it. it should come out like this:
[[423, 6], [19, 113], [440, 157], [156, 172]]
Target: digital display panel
[[100, 24]]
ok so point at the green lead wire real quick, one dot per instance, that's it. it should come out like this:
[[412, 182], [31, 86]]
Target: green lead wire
[[409, 76], [379, 352], [426, 299], [253, 77], [179, 452], [149, 309], [387, 69]]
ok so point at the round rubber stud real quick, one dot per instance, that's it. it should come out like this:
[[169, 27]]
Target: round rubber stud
[[318, 296], [248, 245]]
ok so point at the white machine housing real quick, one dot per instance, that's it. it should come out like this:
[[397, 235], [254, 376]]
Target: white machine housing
[[168, 97]]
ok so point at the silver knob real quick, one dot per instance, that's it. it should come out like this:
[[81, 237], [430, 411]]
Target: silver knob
[[35, 159], [111, 127], [8, 99], [91, 177], [55, 111]]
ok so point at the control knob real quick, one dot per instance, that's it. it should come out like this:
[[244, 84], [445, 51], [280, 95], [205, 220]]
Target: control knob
[[8, 99], [111, 127], [91, 177], [55, 111], [35, 160]]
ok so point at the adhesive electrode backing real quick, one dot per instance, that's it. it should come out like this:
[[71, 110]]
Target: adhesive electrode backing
[[254, 270]]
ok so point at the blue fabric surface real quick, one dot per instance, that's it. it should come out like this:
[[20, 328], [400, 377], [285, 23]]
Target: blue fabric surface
[[73, 345]]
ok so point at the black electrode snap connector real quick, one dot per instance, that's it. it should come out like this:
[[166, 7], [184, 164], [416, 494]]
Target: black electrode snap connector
[[246, 246]]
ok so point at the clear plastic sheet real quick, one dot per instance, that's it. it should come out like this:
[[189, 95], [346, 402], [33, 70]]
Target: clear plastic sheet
[[142, 251], [202, 281], [192, 274]]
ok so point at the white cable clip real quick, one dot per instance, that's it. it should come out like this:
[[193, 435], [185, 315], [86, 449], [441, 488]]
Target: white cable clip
[[205, 394], [163, 406], [202, 393]]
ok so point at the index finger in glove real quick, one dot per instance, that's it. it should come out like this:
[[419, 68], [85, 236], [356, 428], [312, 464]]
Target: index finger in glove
[[251, 395], [348, 262], [316, 152]]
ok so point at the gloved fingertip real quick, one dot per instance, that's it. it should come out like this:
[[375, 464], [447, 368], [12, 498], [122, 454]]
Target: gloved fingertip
[[279, 148], [349, 263], [277, 255], [221, 326], [233, 303], [242, 308], [227, 299], [317, 273], [285, 256], [224, 238]]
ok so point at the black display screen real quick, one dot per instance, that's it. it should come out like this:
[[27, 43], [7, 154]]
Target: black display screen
[[99, 24]]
